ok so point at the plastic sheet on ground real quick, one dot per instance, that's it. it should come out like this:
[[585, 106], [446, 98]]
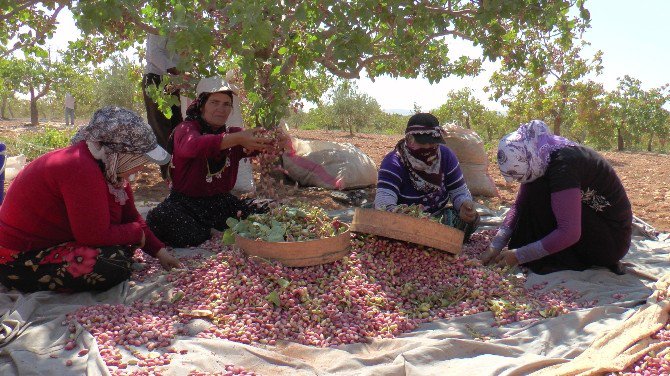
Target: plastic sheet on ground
[[32, 336]]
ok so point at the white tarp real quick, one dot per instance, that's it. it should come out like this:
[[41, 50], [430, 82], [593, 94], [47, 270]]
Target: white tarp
[[32, 331]]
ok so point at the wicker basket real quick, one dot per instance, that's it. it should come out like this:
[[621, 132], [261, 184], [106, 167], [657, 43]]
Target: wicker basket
[[409, 229], [297, 254]]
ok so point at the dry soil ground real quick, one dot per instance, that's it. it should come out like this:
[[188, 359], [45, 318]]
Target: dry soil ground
[[644, 175]]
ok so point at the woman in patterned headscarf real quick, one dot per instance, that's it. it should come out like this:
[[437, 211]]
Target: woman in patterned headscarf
[[206, 157], [422, 171], [571, 211], [68, 222]]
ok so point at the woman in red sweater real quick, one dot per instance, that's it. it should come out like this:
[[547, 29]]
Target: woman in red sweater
[[206, 156], [68, 222]]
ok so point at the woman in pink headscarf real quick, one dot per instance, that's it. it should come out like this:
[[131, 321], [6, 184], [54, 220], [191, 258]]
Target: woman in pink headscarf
[[571, 211]]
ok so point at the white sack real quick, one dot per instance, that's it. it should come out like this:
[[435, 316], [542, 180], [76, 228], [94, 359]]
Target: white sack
[[245, 179], [329, 165], [13, 165]]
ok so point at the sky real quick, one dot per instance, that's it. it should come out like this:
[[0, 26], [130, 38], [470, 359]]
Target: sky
[[632, 35]]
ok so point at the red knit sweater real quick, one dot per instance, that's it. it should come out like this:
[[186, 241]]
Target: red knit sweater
[[63, 196]]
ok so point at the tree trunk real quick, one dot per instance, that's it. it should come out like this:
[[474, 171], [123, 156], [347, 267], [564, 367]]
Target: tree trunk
[[651, 137], [2, 110], [34, 114], [557, 126], [467, 121], [619, 139]]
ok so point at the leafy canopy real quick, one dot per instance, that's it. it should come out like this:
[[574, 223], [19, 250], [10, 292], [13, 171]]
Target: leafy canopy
[[287, 50]]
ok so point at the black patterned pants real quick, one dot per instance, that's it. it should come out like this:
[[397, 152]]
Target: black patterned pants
[[161, 125]]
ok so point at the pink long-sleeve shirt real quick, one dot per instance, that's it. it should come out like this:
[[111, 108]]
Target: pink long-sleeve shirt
[[190, 153]]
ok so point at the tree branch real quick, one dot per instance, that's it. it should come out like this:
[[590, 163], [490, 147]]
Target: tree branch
[[332, 68], [51, 21], [17, 8], [44, 90], [465, 13], [433, 36], [141, 25]]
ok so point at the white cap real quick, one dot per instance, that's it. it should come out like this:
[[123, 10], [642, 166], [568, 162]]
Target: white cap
[[159, 155], [214, 85]]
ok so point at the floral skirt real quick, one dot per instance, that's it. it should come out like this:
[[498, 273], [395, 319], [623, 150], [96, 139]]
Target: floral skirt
[[67, 267]]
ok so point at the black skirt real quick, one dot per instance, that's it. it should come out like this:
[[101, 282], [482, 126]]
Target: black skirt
[[185, 221]]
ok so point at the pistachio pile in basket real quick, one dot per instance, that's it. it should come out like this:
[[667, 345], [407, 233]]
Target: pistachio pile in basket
[[285, 224], [415, 211]]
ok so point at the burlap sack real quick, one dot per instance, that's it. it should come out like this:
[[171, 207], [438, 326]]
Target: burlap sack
[[329, 165], [469, 149]]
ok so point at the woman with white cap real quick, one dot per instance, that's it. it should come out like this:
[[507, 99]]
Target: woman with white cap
[[206, 156], [571, 211], [68, 222]]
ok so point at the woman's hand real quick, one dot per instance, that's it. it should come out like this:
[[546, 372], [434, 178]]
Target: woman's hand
[[167, 260], [489, 255], [507, 258], [248, 140], [467, 212]]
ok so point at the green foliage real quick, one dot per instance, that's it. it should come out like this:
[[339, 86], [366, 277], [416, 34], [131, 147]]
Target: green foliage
[[288, 50], [351, 111], [120, 85], [34, 143], [284, 223], [464, 110], [546, 84], [638, 115], [26, 26]]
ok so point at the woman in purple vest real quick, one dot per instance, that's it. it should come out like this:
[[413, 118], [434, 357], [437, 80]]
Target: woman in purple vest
[[422, 171], [571, 211]]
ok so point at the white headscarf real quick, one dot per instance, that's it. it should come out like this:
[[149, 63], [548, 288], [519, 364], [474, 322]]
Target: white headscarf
[[524, 154]]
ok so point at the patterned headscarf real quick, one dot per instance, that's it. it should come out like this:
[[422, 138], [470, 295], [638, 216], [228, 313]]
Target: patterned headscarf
[[523, 155], [119, 138], [424, 167]]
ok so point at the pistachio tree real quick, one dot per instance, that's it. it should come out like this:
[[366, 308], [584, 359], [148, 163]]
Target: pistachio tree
[[279, 52], [285, 50], [465, 110], [9, 81], [546, 85], [638, 113]]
